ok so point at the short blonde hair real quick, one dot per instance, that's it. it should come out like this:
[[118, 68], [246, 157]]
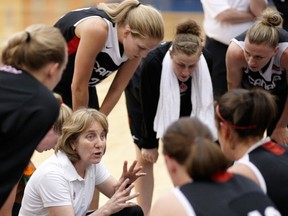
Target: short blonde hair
[[74, 126]]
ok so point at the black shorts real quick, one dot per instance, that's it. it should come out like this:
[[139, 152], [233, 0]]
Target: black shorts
[[135, 116], [218, 73], [66, 95]]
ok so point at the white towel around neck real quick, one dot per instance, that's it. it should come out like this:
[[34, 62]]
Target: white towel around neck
[[168, 109]]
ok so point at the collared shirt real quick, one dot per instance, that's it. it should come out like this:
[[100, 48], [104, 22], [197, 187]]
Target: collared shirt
[[57, 183]]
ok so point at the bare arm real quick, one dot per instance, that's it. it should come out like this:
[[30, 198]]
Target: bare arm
[[150, 155], [167, 205], [6, 209], [61, 210], [244, 170], [235, 62], [280, 133], [257, 7], [109, 186], [120, 200], [118, 85], [88, 31], [234, 16]]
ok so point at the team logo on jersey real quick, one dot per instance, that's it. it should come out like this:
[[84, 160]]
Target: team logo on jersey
[[99, 73], [263, 83]]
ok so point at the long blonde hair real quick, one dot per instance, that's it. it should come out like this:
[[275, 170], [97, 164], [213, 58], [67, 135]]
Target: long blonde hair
[[74, 126], [265, 29], [35, 47], [144, 20]]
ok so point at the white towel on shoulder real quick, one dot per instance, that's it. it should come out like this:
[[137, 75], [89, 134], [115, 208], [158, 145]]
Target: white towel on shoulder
[[168, 109]]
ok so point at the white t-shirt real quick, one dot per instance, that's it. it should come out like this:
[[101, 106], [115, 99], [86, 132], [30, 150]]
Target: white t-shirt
[[220, 31], [57, 183]]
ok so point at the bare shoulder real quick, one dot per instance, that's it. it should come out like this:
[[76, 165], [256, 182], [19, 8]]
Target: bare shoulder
[[235, 59], [235, 50], [167, 205], [92, 26], [93, 34], [242, 169]]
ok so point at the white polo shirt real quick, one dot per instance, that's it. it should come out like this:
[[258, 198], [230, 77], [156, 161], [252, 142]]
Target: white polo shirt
[[57, 183], [223, 31]]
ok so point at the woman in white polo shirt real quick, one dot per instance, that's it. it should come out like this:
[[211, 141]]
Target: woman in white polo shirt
[[64, 184]]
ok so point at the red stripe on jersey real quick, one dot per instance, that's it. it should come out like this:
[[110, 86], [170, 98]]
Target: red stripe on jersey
[[274, 148], [222, 176], [73, 45]]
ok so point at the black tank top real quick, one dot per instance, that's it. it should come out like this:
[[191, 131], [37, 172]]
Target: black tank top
[[108, 60], [227, 195]]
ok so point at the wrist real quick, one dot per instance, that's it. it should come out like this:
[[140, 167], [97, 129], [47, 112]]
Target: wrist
[[102, 211]]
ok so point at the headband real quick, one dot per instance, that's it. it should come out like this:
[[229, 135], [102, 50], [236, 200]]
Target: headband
[[232, 125]]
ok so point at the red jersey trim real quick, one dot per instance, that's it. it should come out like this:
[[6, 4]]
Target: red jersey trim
[[73, 45], [222, 176], [274, 148]]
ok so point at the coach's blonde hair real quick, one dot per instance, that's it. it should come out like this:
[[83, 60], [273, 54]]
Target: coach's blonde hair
[[74, 126], [144, 20], [265, 30], [35, 47]]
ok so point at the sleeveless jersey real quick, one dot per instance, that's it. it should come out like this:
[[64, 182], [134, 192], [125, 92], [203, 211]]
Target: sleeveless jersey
[[269, 162], [226, 195], [107, 61], [273, 78]]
